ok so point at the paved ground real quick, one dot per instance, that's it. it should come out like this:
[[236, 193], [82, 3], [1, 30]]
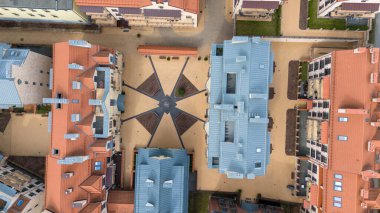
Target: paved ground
[[134, 135], [26, 136]]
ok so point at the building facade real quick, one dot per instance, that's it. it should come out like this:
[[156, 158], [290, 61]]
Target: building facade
[[237, 127], [144, 13], [260, 10], [162, 180], [85, 126], [348, 8], [24, 77], [342, 132], [19, 191], [62, 11]]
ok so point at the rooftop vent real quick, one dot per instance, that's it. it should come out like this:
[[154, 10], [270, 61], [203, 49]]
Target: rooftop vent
[[79, 203]]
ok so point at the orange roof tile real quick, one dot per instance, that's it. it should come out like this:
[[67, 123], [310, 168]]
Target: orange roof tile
[[326, 87], [314, 195], [120, 201], [56, 200], [93, 184], [350, 69], [324, 132], [350, 89], [166, 50]]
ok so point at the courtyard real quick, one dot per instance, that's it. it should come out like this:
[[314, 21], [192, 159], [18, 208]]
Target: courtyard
[[153, 111], [160, 114]]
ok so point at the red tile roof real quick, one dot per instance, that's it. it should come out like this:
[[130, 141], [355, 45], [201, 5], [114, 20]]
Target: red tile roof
[[268, 5], [350, 89], [166, 50], [55, 198], [120, 201]]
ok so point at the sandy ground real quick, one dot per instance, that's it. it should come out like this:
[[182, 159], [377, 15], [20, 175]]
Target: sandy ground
[[168, 72], [133, 133], [26, 136], [23, 129], [281, 166]]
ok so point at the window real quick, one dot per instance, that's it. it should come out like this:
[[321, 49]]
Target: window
[[41, 84], [98, 165], [31, 194], [5, 8], [342, 119], [338, 186], [231, 83], [19, 81], [338, 202], [54, 16], [30, 14], [26, 82], [75, 101], [342, 137], [258, 165], [229, 129], [215, 161], [258, 149], [15, 14], [41, 15], [55, 152], [34, 83], [41, 71], [112, 102], [338, 176]]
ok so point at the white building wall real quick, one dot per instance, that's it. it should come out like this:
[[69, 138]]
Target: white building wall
[[41, 15], [32, 78]]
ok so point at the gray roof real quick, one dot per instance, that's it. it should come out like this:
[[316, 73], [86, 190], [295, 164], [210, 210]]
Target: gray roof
[[39, 4], [268, 5], [238, 121], [361, 6], [162, 178], [129, 10], [9, 57], [91, 9], [162, 13]]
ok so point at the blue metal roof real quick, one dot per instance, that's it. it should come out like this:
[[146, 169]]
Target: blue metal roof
[[238, 138], [107, 85], [7, 190], [162, 177], [8, 57]]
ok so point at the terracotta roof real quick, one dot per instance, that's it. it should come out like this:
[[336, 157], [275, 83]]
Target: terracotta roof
[[350, 89], [166, 50], [120, 201], [324, 132], [350, 69], [55, 198], [326, 87], [268, 5], [314, 195], [361, 6], [187, 5]]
